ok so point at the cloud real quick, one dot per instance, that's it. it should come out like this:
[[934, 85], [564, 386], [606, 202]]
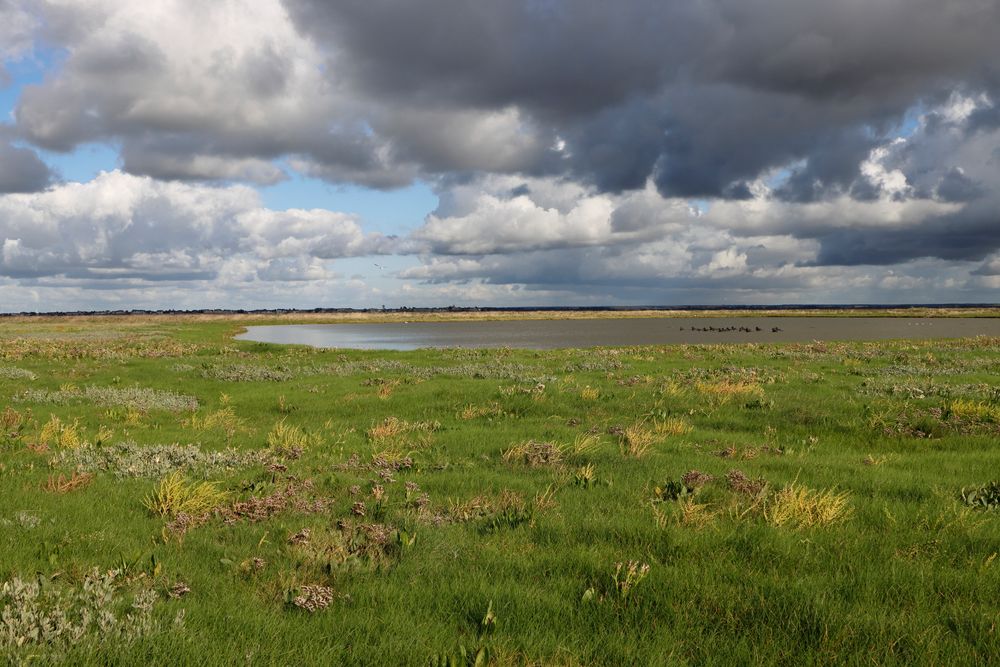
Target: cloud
[[195, 91], [700, 97], [21, 170], [120, 227], [586, 151], [17, 27]]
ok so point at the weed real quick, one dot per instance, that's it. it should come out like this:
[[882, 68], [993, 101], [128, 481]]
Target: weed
[[224, 419], [138, 398], [393, 427], [693, 514], [636, 440], [174, 495], [128, 459], [797, 506], [627, 576], [295, 496], [11, 423], [55, 617], [974, 411], [725, 390], [983, 497], [313, 598], [15, 373], [739, 482], [178, 590], [672, 490], [536, 390], [589, 393], [672, 426], [58, 434], [534, 454], [246, 373], [695, 479], [491, 410], [284, 407], [287, 438], [509, 516], [585, 476], [63, 484]]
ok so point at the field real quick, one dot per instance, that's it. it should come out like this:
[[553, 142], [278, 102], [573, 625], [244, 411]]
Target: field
[[171, 496]]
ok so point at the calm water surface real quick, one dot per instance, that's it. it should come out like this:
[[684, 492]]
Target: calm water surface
[[548, 334]]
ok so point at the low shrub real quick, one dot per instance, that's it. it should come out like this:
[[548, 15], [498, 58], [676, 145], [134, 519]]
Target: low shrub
[[983, 497]]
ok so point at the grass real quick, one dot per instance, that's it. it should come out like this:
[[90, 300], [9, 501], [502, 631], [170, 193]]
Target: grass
[[232, 502], [174, 496]]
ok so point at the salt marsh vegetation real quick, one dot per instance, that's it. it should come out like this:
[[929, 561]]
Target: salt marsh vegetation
[[168, 494]]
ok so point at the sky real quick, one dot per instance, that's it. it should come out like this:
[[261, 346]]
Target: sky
[[369, 153]]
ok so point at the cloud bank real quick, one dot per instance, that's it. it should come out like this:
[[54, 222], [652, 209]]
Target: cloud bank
[[640, 151]]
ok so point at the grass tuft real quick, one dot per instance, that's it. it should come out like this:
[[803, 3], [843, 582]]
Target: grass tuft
[[797, 506], [174, 495]]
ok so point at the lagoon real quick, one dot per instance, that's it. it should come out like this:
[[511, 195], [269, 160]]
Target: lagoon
[[582, 333]]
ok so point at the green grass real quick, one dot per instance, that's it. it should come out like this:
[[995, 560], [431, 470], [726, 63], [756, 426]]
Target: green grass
[[365, 511]]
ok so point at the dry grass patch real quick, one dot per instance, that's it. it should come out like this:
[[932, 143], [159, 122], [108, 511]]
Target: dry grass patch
[[287, 438], [688, 514], [636, 440], [174, 495], [974, 411], [491, 409], [672, 426], [533, 453], [224, 420], [11, 423], [391, 428], [722, 391], [797, 506], [59, 434], [62, 484]]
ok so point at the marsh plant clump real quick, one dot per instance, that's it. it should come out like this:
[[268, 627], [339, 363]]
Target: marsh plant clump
[[985, 497], [523, 507], [53, 617], [15, 373], [130, 459], [313, 598], [143, 399], [798, 506], [174, 496], [533, 453]]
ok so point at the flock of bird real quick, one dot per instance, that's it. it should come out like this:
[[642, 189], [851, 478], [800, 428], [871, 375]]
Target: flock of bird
[[733, 328]]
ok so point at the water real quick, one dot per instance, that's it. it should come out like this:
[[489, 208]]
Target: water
[[549, 334]]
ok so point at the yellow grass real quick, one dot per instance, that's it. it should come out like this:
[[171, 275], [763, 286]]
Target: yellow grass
[[672, 426], [286, 437], [723, 391], [534, 453], [976, 411], [636, 441], [59, 434], [797, 506], [174, 495], [394, 427]]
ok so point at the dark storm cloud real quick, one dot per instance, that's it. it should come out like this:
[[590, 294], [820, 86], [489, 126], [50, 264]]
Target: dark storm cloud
[[700, 96], [968, 235], [21, 170], [955, 186]]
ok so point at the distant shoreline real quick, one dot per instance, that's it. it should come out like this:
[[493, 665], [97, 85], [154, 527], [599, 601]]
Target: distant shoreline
[[534, 312]]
